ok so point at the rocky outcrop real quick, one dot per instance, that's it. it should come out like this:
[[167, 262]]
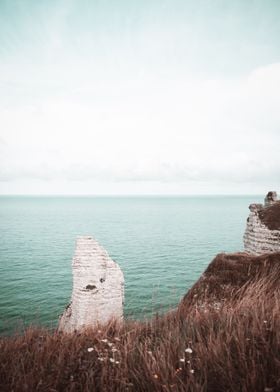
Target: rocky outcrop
[[98, 288], [270, 198], [228, 276], [262, 234]]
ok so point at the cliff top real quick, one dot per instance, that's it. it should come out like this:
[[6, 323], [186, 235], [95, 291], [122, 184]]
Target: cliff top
[[270, 216], [227, 274]]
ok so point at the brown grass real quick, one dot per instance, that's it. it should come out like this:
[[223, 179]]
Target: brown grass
[[228, 274], [270, 216], [235, 347]]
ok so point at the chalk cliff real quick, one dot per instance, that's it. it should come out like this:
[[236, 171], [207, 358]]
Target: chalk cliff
[[98, 288], [262, 234], [228, 276]]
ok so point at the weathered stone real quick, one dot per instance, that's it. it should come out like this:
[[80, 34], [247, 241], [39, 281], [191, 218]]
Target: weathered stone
[[270, 198], [98, 288], [262, 234], [255, 207]]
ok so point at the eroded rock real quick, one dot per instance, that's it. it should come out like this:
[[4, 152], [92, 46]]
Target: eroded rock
[[98, 288], [262, 234], [270, 198]]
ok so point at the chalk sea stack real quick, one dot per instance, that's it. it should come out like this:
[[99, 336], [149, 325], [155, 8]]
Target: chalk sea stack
[[98, 288], [262, 234]]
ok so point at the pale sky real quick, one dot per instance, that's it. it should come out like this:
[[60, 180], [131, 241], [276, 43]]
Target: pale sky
[[139, 97]]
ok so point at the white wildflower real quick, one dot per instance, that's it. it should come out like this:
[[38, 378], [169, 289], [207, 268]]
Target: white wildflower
[[90, 349], [188, 350], [192, 371], [182, 359], [114, 350], [111, 360], [104, 340], [110, 344]]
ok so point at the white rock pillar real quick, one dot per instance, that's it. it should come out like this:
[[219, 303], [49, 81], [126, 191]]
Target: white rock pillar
[[98, 288]]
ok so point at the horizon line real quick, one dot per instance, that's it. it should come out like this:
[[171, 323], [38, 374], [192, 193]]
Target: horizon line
[[128, 195]]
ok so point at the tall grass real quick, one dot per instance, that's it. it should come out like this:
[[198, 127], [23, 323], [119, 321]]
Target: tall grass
[[233, 347]]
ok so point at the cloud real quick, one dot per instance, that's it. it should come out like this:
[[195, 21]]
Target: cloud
[[179, 131], [239, 172]]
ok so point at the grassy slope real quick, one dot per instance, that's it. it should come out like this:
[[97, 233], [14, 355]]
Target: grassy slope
[[231, 346]]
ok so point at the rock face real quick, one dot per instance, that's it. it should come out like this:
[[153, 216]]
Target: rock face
[[98, 288], [262, 234]]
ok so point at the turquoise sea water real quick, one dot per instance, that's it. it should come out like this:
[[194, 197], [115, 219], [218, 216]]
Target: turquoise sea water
[[162, 244]]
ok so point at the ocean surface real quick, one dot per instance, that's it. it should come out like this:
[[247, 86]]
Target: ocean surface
[[162, 244]]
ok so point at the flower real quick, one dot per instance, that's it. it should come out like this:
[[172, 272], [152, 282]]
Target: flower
[[155, 376], [182, 359], [114, 350], [110, 344], [188, 350], [104, 340], [100, 359], [90, 349], [192, 371], [117, 339], [111, 360], [150, 352]]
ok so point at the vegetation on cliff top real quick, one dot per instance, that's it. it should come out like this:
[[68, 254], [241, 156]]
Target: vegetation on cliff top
[[207, 345], [270, 216]]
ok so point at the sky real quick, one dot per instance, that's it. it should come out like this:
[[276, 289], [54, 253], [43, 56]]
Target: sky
[[139, 97]]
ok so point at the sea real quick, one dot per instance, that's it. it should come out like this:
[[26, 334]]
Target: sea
[[162, 243]]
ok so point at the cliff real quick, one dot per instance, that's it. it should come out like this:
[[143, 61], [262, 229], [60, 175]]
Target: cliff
[[228, 276], [262, 234], [98, 288]]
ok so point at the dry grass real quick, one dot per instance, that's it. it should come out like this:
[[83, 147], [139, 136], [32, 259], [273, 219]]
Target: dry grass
[[199, 348], [270, 216]]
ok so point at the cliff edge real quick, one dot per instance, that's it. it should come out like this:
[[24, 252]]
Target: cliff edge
[[229, 276]]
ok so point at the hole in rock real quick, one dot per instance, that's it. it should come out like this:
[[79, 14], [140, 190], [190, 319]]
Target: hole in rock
[[90, 287], [102, 280]]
